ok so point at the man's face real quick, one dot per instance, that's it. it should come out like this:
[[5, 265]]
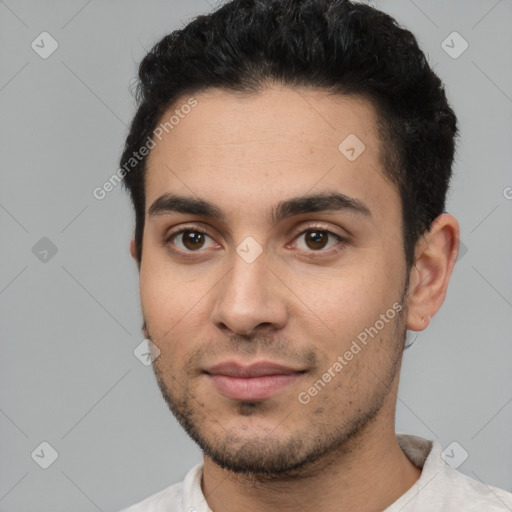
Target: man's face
[[251, 310]]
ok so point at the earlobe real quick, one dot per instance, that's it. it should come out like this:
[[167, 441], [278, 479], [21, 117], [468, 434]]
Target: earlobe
[[132, 248], [436, 255], [133, 251]]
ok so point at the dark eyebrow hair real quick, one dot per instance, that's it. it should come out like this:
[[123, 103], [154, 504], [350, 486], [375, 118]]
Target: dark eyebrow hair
[[182, 204], [323, 202]]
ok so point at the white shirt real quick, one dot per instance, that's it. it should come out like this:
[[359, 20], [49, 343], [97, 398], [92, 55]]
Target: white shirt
[[440, 488]]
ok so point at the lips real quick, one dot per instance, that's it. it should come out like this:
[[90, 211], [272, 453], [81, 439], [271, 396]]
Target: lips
[[255, 382]]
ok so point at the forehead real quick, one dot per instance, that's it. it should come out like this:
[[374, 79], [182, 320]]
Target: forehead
[[280, 142]]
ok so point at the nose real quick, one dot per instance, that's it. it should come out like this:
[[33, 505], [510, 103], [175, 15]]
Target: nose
[[250, 299]]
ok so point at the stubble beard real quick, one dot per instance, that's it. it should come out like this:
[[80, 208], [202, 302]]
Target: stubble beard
[[270, 457]]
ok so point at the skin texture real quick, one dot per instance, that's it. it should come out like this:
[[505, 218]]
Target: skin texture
[[301, 303]]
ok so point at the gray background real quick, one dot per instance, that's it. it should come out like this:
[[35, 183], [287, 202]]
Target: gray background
[[71, 321]]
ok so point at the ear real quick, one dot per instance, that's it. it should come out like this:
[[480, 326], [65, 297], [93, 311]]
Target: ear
[[435, 257], [133, 252]]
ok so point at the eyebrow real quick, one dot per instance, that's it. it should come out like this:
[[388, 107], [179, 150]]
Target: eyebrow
[[324, 202]]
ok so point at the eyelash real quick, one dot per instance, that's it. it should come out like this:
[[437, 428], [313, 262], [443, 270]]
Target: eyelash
[[331, 251]]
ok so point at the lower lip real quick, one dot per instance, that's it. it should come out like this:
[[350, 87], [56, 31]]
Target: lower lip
[[252, 388]]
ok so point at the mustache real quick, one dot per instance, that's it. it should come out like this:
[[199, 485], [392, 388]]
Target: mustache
[[265, 345]]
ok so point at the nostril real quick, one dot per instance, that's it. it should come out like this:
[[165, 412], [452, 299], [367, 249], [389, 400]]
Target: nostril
[[264, 324]]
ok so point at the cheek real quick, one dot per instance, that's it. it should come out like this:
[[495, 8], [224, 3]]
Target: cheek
[[341, 306], [167, 303]]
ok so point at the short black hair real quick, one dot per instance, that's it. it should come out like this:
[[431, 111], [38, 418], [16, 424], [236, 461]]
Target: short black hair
[[338, 46]]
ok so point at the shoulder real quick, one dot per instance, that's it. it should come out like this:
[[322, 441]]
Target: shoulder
[[443, 488], [174, 498], [169, 497], [460, 490]]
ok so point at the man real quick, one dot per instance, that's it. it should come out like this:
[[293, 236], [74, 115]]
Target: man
[[288, 166]]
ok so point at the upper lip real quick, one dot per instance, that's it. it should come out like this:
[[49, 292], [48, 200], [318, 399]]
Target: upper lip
[[259, 369]]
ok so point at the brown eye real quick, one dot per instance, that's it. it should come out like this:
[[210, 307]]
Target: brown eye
[[316, 239], [192, 240]]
